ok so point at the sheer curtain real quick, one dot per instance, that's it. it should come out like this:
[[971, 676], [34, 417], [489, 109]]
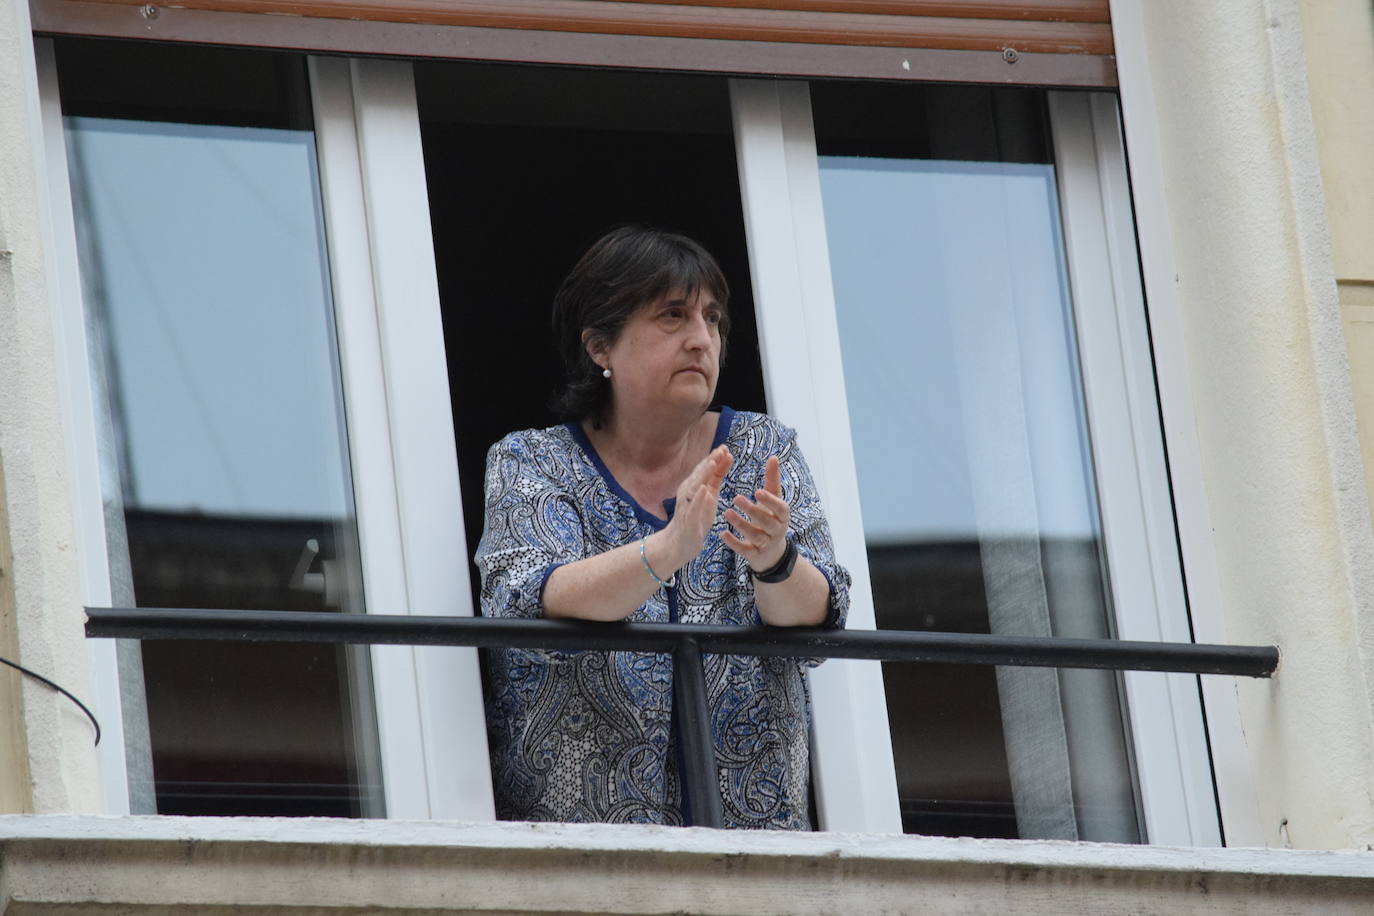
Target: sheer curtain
[[998, 370]]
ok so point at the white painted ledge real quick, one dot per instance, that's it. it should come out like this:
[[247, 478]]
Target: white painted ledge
[[223, 865]]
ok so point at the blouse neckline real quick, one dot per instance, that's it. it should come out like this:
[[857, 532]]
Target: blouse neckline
[[723, 425]]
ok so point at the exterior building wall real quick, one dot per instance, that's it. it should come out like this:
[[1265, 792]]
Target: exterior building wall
[[49, 760], [14, 764], [1339, 39], [1257, 105], [1271, 398]]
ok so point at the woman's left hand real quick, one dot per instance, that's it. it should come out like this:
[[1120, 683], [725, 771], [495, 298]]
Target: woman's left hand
[[762, 522]]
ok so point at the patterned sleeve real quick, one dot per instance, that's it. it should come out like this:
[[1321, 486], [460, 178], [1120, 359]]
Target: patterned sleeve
[[532, 526], [809, 529]]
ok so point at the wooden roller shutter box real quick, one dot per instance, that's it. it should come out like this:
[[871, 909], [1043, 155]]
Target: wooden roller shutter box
[[1026, 42]]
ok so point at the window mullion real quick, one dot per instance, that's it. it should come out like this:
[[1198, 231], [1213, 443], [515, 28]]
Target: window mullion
[[856, 786]]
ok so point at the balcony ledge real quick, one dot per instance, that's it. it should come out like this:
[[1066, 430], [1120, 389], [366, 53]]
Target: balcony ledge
[[212, 866]]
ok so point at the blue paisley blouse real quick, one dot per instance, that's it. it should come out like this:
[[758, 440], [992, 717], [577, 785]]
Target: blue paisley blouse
[[588, 736]]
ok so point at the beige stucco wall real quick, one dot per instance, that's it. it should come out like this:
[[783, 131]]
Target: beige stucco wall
[[1339, 39], [48, 763], [1271, 399], [14, 762], [1357, 314]]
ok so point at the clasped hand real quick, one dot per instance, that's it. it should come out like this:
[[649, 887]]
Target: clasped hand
[[761, 523]]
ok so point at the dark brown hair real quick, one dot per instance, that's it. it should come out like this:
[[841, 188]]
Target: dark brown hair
[[628, 268]]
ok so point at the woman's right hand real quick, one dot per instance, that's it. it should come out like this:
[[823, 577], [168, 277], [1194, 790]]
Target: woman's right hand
[[698, 497]]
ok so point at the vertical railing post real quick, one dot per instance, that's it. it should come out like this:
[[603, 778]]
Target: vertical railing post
[[700, 780]]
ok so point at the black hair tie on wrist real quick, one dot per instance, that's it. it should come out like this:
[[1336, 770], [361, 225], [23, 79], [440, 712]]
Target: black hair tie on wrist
[[780, 570]]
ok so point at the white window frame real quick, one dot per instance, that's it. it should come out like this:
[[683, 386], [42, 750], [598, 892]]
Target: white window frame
[[409, 506], [395, 379], [794, 304], [1173, 764], [77, 393], [793, 296], [405, 473]]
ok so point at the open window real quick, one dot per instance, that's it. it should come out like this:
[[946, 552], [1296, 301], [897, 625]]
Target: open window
[[935, 285]]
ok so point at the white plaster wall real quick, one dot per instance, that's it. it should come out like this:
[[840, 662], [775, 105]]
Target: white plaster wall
[[1270, 396], [43, 579]]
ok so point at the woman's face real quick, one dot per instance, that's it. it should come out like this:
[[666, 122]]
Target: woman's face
[[667, 355]]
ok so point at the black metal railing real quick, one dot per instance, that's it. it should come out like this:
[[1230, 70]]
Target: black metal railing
[[686, 643]]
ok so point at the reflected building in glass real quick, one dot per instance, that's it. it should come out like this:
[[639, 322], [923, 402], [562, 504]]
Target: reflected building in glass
[[227, 479], [971, 446]]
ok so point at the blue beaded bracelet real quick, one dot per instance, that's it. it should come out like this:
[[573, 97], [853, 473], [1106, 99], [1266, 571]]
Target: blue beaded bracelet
[[672, 580]]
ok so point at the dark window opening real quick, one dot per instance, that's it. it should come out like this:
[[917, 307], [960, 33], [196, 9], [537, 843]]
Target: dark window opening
[[526, 168]]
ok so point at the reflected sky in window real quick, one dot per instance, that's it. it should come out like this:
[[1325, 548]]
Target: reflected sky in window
[[203, 256], [951, 299]]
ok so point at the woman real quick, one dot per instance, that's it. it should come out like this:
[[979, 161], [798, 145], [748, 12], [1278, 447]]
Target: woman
[[648, 506]]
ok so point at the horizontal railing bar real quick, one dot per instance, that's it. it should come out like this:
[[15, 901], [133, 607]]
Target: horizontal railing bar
[[496, 632]]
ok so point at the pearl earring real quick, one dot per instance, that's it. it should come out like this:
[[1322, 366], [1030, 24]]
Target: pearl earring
[[606, 373]]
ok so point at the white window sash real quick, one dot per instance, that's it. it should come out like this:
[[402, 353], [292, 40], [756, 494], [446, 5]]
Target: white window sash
[[427, 700], [1173, 768], [855, 780], [123, 750], [395, 377], [804, 378]]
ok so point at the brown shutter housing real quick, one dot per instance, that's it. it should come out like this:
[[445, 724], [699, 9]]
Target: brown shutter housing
[[1037, 42]]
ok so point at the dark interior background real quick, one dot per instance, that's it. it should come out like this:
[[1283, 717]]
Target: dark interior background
[[527, 167]]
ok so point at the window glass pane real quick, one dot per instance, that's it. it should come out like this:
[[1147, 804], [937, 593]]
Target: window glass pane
[[202, 255], [972, 453]]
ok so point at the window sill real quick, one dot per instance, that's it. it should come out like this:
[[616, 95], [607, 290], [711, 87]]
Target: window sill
[[211, 865]]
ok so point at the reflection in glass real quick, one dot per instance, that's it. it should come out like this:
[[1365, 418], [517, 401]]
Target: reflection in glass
[[203, 259], [975, 479]]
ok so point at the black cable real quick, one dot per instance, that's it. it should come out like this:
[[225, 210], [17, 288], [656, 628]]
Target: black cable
[[59, 688]]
